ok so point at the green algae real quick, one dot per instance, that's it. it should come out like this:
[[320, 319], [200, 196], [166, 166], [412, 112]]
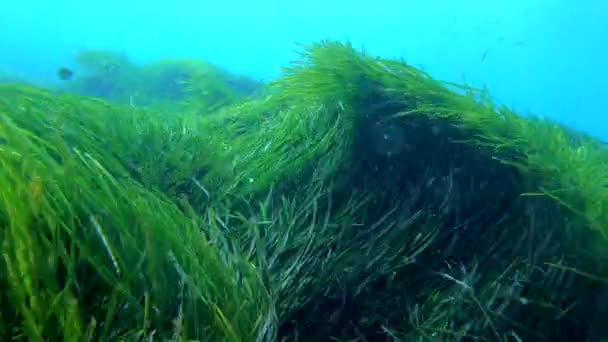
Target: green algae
[[358, 199], [173, 85]]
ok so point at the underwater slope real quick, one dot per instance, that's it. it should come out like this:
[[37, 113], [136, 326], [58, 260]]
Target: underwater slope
[[359, 200]]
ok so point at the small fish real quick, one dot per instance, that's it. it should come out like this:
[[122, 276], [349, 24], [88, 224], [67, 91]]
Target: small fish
[[65, 74], [520, 42], [484, 55]]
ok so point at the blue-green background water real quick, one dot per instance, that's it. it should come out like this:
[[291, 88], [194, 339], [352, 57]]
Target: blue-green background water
[[547, 57]]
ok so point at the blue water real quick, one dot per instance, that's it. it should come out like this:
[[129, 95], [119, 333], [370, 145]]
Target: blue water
[[546, 57]]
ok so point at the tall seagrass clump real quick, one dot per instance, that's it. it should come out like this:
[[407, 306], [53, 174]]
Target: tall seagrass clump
[[92, 249], [171, 85], [359, 200], [384, 204]]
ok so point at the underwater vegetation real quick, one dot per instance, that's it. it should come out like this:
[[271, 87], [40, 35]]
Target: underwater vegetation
[[170, 85], [8, 76], [357, 199]]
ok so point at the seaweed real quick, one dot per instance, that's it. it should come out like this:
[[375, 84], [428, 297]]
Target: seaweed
[[169, 85], [354, 198], [91, 253]]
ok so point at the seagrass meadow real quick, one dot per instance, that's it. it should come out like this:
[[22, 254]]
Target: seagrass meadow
[[355, 198]]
